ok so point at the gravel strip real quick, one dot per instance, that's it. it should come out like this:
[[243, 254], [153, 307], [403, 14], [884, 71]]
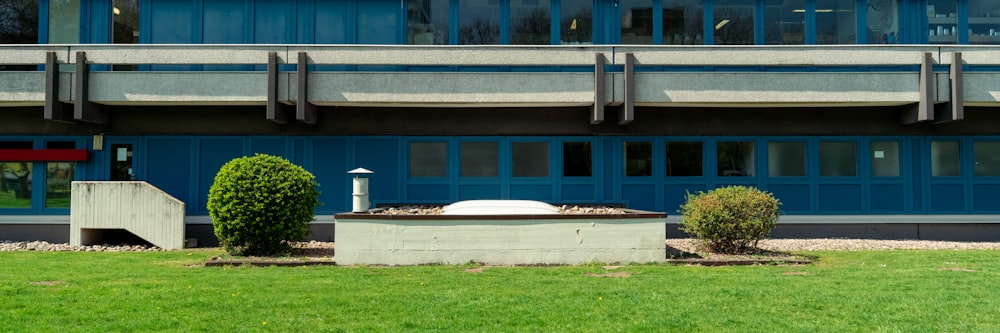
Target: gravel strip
[[842, 244], [313, 248], [438, 210]]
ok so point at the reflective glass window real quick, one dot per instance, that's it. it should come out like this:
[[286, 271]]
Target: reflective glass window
[[735, 159], [942, 21], [577, 22], [883, 21], [684, 159], [638, 159], [838, 159], [885, 158], [428, 22], [786, 159], [836, 22], [683, 22], [987, 155], [428, 159], [18, 25], [530, 22], [479, 159], [530, 159], [59, 177], [577, 159], [64, 21], [784, 22], [945, 158], [984, 22], [733, 22], [637, 21], [479, 22], [125, 14], [15, 178]]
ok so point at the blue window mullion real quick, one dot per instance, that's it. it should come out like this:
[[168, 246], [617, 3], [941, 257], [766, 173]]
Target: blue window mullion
[[504, 22], [708, 27], [963, 25], [758, 22], [657, 22], [810, 22], [861, 13], [453, 22]]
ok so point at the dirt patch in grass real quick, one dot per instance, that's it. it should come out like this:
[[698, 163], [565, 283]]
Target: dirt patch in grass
[[796, 273], [47, 283], [475, 270], [612, 275], [958, 269]]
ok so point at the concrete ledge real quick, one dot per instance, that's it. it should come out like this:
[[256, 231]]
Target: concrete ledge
[[22, 88], [504, 241], [454, 88], [228, 88], [765, 87]]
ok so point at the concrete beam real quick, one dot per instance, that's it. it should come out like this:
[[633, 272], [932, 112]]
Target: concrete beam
[[628, 111], [924, 109], [179, 88], [774, 56], [454, 56], [304, 110], [54, 110], [166, 54], [452, 89], [276, 111], [22, 88], [597, 113], [83, 109]]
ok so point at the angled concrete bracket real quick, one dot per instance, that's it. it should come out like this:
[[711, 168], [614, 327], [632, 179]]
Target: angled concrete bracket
[[597, 114], [55, 110], [924, 109], [83, 109], [304, 111], [628, 110], [276, 111], [954, 110]]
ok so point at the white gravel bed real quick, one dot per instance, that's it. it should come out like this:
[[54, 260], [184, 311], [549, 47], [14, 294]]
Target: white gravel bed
[[438, 210], [6, 246], [842, 244]]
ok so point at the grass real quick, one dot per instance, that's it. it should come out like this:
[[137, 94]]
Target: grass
[[877, 291]]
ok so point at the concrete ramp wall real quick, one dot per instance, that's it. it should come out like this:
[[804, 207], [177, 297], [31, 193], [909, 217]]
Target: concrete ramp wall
[[135, 206]]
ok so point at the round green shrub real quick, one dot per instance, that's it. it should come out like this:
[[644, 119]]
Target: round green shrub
[[730, 219], [261, 203]]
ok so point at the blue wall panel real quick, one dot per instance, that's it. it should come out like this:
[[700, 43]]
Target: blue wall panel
[[378, 22], [273, 22], [272, 146], [947, 197], [639, 196], [428, 194], [794, 197], [887, 197], [169, 168], [676, 194], [332, 22], [382, 157], [986, 197], [473, 192], [531, 192], [172, 22], [329, 165], [578, 193], [225, 22], [213, 153], [839, 198]]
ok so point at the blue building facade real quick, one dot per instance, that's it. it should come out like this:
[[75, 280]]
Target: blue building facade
[[881, 111]]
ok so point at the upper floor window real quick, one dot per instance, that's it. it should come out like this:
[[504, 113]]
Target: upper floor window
[[734, 22], [577, 22], [428, 22], [479, 22], [836, 22], [784, 22], [530, 22]]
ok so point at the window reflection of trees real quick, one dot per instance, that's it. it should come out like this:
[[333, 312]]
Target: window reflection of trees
[[530, 26], [18, 25]]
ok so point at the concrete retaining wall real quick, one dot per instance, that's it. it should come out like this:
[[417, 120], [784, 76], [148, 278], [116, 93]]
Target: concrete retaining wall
[[507, 240], [137, 207]]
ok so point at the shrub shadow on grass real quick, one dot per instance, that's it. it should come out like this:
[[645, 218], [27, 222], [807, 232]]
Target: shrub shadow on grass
[[691, 254]]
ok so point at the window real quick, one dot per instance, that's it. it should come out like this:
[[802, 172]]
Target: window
[[125, 14], [885, 158], [733, 22], [15, 178], [577, 22], [638, 159], [945, 158], [984, 25], [64, 21], [942, 21], [18, 25], [836, 22], [784, 22], [735, 159], [428, 22], [786, 159], [683, 22], [987, 155], [530, 22], [637, 21], [530, 159], [684, 159], [428, 159], [883, 21], [479, 159], [479, 22], [59, 177], [838, 159], [577, 159]]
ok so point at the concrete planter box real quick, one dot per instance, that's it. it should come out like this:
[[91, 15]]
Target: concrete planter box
[[500, 239]]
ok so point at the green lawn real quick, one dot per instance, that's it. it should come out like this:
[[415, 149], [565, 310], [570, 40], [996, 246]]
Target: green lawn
[[879, 291]]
